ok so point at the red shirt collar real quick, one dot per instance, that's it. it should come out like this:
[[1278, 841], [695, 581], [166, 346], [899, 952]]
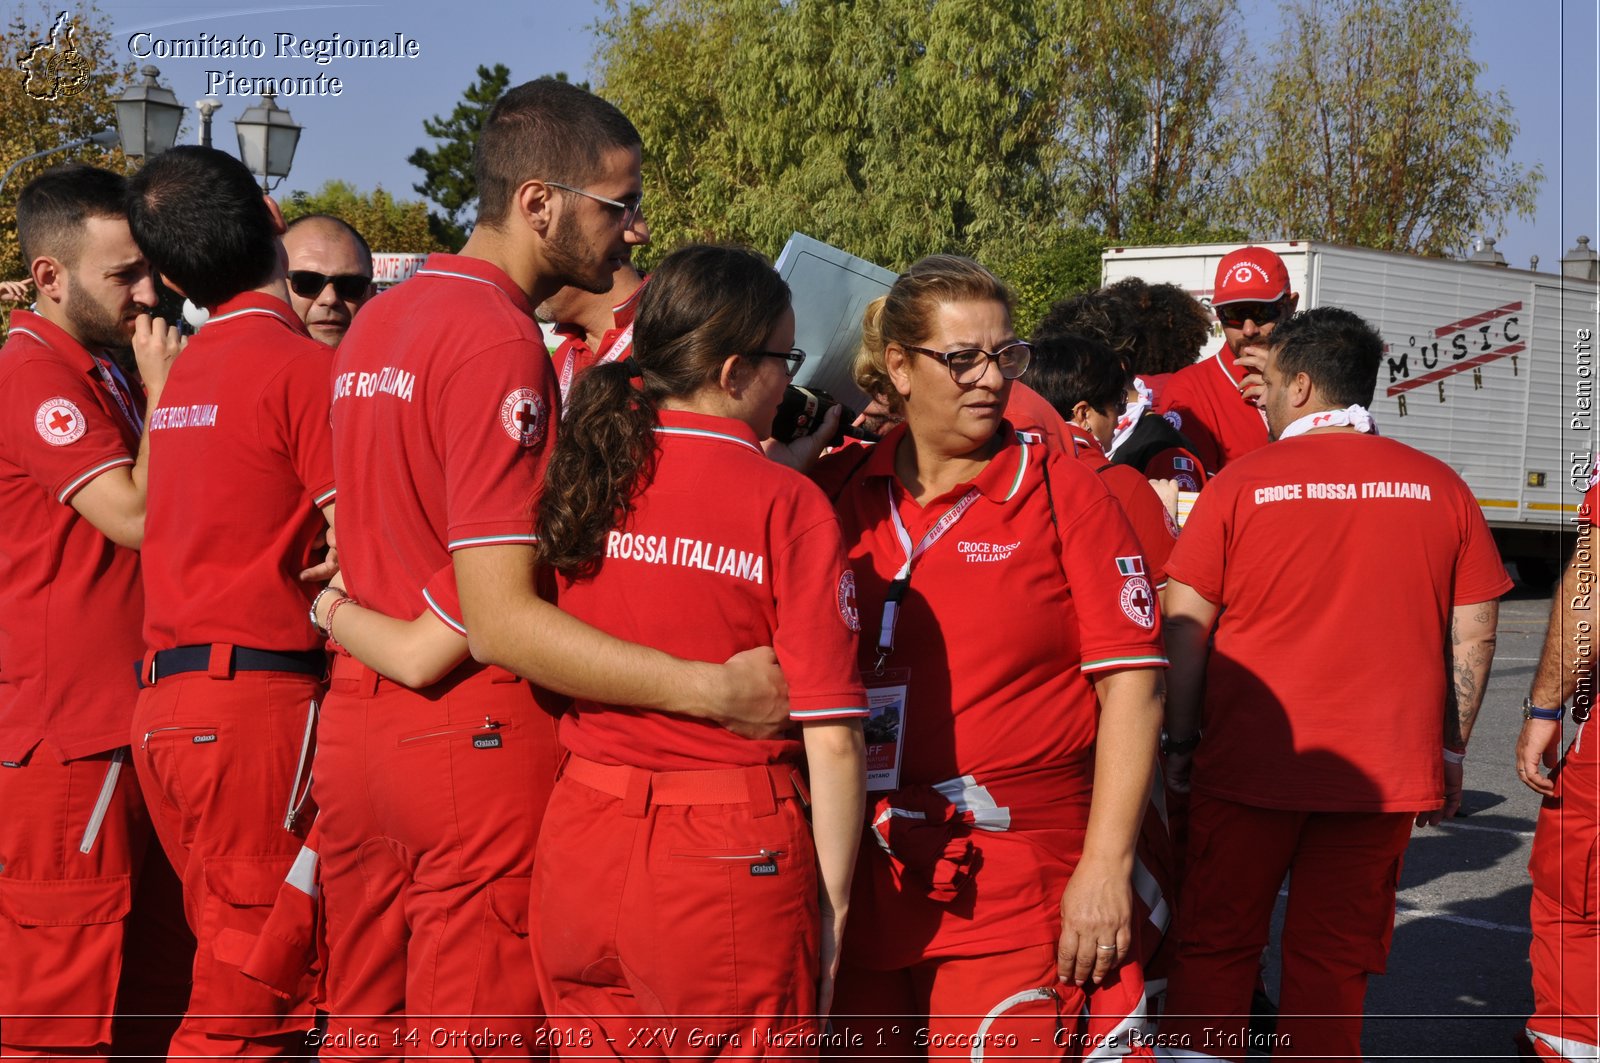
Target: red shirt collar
[[257, 305], [1085, 447], [997, 481], [708, 426], [464, 267], [53, 336], [621, 315], [1230, 364]]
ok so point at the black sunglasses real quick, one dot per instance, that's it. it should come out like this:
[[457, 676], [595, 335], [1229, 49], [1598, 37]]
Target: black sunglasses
[[1233, 315], [308, 284]]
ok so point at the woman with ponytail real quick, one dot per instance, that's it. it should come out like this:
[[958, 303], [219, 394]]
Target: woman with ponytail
[[676, 874]]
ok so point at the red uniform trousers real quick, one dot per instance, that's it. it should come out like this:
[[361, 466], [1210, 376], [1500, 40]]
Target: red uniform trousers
[[430, 807], [221, 760], [1565, 912], [1344, 868], [679, 914], [1008, 1005], [85, 935]]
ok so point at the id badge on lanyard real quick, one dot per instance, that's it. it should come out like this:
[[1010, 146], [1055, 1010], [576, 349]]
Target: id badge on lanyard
[[884, 729], [887, 687]]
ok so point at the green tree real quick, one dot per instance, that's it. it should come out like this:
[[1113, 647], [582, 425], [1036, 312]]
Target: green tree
[[1141, 136], [1374, 131], [387, 224], [29, 124], [889, 128], [447, 168]]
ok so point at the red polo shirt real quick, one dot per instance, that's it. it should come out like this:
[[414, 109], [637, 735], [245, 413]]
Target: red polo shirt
[[1211, 412], [573, 355], [70, 599], [241, 461], [703, 573], [1036, 587], [1152, 525], [1336, 559], [989, 628], [443, 401], [1029, 411]]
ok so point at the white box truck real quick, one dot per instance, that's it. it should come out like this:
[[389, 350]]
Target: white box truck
[[1489, 369]]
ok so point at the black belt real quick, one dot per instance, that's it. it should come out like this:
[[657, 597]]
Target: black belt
[[241, 659]]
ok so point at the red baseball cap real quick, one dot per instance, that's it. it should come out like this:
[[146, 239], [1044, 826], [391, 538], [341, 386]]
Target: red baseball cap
[[1250, 275]]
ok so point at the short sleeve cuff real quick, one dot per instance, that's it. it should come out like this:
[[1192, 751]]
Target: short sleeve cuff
[[78, 482], [1132, 658]]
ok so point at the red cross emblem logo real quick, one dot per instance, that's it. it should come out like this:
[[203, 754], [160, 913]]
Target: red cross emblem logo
[[59, 422], [1138, 602], [523, 416]]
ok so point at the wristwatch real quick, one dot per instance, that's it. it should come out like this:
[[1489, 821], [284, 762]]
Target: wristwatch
[[1530, 711], [1181, 748]]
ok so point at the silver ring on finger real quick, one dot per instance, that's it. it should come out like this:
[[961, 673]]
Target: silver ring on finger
[[1106, 948]]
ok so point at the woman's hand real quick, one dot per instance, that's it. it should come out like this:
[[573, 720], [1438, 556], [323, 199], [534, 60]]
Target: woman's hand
[[1096, 923], [828, 959]]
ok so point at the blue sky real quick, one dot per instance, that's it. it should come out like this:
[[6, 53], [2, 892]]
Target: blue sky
[[1542, 53]]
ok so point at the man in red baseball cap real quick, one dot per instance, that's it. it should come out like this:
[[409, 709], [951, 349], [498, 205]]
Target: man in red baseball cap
[[1212, 401]]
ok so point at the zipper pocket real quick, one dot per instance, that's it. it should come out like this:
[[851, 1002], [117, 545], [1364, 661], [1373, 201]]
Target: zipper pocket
[[713, 854], [201, 734], [488, 725]]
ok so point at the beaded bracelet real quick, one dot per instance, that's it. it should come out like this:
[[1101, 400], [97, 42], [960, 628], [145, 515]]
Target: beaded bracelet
[[334, 608]]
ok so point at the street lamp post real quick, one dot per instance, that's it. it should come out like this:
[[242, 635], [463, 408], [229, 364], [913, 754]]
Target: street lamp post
[[106, 138], [267, 139], [148, 115], [207, 108]]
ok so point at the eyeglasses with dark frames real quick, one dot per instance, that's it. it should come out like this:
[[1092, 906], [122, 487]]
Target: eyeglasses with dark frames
[[630, 211], [793, 359], [1234, 315], [308, 284], [968, 365]]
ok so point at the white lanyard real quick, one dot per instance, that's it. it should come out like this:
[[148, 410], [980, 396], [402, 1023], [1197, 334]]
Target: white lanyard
[[129, 414], [618, 348], [902, 578]]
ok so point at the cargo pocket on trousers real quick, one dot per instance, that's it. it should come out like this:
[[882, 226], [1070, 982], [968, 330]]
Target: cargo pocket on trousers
[[240, 891], [508, 900], [60, 956]]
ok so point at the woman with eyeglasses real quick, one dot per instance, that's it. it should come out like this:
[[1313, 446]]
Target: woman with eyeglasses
[[1012, 655], [676, 873]]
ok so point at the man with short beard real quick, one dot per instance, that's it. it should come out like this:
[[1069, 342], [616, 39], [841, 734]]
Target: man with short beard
[[444, 406], [75, 833]]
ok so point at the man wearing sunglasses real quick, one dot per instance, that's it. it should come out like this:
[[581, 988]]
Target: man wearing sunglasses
[[1212, 401], [330, 274]]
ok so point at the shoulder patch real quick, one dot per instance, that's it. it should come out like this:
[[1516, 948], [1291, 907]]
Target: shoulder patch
[[523, 416], [1138, 602], [1174, 418], [847, 601], [59, 422]]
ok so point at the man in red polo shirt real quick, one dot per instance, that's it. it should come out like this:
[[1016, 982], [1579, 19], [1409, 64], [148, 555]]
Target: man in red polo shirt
[[594, 327], [1206, 401], [74, 834], [1566, 920], [444, 404], [1325, 733], [241, 491]]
